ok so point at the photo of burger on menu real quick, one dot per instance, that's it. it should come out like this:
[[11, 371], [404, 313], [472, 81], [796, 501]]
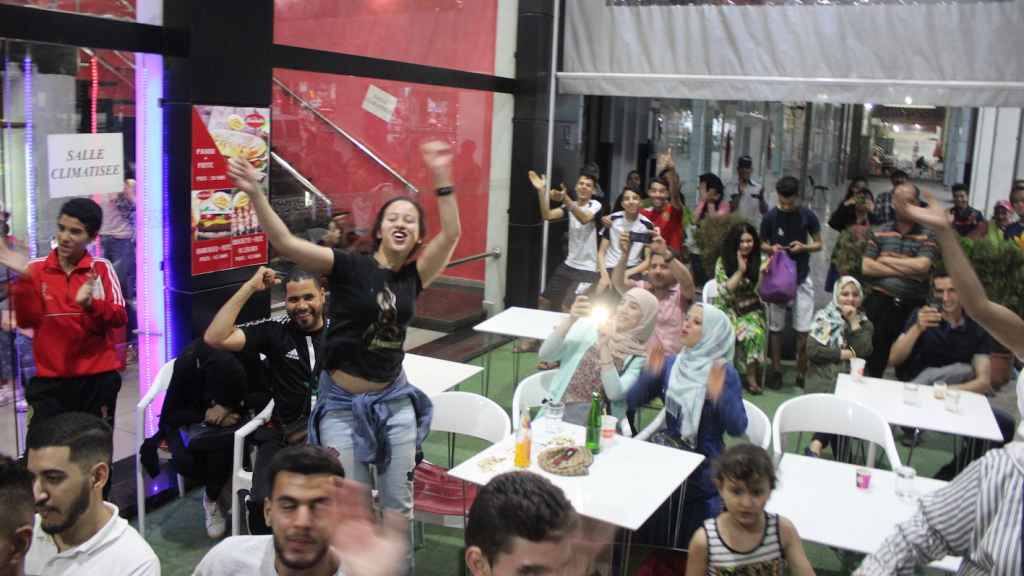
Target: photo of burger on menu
[[225, 231]]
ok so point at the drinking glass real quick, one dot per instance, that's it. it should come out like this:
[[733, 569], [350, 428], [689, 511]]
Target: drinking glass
[[910, 392], [905, 476], [553, 414], [939, 389]]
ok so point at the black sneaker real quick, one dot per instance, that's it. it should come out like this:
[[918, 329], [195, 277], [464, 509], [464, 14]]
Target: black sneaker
[[800, 382], [773, 380]]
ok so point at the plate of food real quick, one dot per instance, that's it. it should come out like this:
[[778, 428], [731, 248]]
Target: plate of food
[[232, 143]]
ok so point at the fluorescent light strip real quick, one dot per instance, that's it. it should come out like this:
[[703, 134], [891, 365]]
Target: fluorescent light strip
[[94, 92], [30, 166], [152, 231]]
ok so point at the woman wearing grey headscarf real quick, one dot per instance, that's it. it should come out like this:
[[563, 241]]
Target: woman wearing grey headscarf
[[703, 397]]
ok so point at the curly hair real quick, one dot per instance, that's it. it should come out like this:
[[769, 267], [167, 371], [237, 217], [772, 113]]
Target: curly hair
[[731, 245]]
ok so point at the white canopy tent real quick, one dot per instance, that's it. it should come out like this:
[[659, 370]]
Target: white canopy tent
[[952, 53]]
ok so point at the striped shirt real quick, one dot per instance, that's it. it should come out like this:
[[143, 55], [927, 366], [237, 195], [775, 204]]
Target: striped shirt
[[977, 516], [766, 558], [886, 240]]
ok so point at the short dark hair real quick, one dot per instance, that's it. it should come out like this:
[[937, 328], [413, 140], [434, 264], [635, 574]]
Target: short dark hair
[[712, 181], [380, 219], [899, 174], [86, 211], [658, 180], [591, 170], [787, 186], [16, 496], [1016, 191], [306, 460], [959, 188], [88, 436], [631, 172], [517, 504], [300, 275], [745, 463]]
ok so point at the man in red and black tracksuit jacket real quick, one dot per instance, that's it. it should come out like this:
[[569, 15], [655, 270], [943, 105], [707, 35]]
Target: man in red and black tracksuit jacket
[[73, 302]]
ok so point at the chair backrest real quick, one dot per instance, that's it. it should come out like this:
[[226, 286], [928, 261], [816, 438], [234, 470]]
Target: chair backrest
[[709, 291], [759, 429], [831, 414], [160, 384], [531, 392], [469, 414]]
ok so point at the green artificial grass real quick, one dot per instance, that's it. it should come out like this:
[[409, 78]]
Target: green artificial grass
[[176, 531]]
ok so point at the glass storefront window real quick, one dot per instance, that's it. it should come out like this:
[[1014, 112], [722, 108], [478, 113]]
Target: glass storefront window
[[116, 9], [356, 140], [62, 108], [456, 34]]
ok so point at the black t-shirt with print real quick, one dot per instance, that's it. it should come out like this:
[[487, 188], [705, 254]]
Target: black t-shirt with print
[[371, 308], [293, 358]]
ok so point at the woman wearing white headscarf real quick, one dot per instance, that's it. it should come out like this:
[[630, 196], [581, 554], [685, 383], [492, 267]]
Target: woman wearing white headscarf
[[703, 397], [840, 332], [600, 356]]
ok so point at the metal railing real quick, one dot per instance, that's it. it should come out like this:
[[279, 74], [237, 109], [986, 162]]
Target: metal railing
[[109, 67], [492, 253], [352, 139], [302, 179]]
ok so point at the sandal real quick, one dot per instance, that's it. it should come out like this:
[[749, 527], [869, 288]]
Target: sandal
[[526, 346], [548, 365]]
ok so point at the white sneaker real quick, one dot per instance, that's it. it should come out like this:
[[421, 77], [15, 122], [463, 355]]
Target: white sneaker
[[216, 523]]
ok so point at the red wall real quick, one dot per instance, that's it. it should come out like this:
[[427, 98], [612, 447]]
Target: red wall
[[444, 33]]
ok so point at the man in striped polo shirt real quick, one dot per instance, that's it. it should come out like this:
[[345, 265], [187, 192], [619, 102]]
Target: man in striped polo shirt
[[897, 262]]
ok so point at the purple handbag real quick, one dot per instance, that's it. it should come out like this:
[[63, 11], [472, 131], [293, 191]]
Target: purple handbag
[[778, 281]]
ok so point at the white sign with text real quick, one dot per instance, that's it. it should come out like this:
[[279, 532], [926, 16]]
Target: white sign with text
[[85, 164]]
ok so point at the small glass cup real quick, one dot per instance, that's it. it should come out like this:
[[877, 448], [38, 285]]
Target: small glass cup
[[857, 369], [863, 478], [953, 401], [905, 477], [910, 393], [608, 424], [939, 389]]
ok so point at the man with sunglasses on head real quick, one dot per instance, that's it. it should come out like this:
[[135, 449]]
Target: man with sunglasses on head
[[292, 347]]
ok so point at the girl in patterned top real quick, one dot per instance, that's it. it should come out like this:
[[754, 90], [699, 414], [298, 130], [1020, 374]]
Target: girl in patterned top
[[744, 540]]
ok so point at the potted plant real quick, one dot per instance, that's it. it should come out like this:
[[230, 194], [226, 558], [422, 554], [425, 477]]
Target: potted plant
[[999, 265], [710, 235]]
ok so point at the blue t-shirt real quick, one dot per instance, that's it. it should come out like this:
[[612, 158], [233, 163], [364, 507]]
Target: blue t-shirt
[[1014, 230], [780, 227]]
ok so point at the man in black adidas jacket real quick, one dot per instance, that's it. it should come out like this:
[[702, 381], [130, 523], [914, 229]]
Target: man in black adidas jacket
[[292, 349]]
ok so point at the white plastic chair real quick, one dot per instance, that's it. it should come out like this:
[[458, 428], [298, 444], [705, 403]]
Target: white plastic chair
[[160, 384], [651, 428], [531, 392], [464, 414], [241, 479], [709, 291], [831, 414], [759, 429]]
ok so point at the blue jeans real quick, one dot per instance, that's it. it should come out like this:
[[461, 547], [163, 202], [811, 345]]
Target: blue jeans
[[394, 485]]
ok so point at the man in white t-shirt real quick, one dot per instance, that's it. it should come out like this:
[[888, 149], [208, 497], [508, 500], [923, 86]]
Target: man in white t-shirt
[[640, 230], [75, 531], [322, 526], [580, 266]]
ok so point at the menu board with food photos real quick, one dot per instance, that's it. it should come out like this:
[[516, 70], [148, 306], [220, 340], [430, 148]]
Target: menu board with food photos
[[225, 231]]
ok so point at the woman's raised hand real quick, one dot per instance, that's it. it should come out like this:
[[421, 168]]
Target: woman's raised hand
[[741, 262], [581, 307], [438, 157], [245, 176], [716, 379]]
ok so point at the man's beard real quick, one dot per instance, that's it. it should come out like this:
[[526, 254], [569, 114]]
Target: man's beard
[[78, 507], [279, 552], [311, 319]]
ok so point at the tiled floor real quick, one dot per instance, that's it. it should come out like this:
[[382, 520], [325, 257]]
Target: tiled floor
[[124, 425]]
